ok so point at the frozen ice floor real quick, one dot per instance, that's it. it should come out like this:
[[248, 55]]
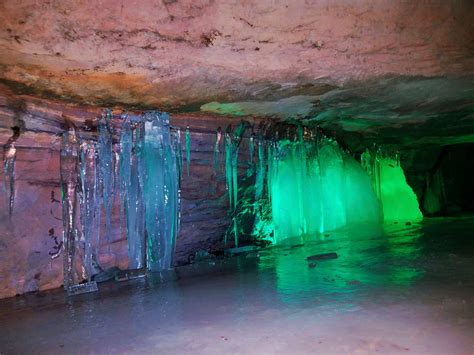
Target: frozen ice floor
[[407, 290]]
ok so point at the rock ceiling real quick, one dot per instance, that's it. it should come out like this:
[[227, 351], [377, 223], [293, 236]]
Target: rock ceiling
[[356, 66]]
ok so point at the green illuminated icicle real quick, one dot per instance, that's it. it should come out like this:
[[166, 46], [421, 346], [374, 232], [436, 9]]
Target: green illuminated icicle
[[228, 166], [317, 188], [260, 175], [398, 200], [232, 144]]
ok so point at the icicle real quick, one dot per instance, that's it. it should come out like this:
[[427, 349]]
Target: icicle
[[236, 140], [217, 149], [179, 152], [106, 167], [188, 150], [131, 174], [251, 143], [317, 187], [89, 197], [232, 160], [160, 192], [398, 200], [9, 159], [69, 183], [116, 165], [228, 165], [176, 143], [260, 175]]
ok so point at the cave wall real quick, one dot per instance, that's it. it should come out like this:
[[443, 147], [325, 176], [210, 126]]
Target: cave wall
[[442, 178], [34, 231], [32, 234]]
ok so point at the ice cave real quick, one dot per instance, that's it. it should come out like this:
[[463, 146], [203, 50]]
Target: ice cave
[[237, 177]]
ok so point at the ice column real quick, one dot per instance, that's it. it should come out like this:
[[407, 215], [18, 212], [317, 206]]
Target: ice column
[[398, 200], [90, 203], [69, 183], [232, 144], [106, 161], [316, 187], [160, 191], [131, 188]]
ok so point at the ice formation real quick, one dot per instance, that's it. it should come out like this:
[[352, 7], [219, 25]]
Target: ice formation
[[150, 171], [304, 184], [251, 147], [131, 187], [399, 202], [106, 161], [316, 187], [232, 144], [146, 168], [9, 159], [161, 191], [188, 149], [69, 165], [89, 203], [217, 149]]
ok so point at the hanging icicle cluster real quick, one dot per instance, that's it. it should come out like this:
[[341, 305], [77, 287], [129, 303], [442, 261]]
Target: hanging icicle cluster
[[232, 144], [398, 200], [316, 187], [161, 190], [304, 184], [145, 167]]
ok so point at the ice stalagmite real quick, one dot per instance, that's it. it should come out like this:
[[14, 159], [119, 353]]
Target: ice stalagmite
[[131, 190], [69, 183], [9, 159], [160, 191], [106, 161]]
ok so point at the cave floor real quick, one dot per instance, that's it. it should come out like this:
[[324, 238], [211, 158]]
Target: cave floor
[[407, 289]]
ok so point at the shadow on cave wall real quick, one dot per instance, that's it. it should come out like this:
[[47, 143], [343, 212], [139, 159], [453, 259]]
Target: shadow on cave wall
[[442, 178]]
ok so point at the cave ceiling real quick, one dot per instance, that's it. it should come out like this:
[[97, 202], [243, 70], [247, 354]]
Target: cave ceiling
[[382, 69]]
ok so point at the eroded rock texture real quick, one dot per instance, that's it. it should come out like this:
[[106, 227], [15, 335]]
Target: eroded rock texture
[[184, 53]]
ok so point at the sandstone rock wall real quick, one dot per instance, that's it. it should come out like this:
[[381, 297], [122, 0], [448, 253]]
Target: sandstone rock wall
[[30, 236]]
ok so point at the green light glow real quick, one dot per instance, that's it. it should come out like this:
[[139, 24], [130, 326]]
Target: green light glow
[[316, 188], [398, 199], [308, 185], [399, 202]]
